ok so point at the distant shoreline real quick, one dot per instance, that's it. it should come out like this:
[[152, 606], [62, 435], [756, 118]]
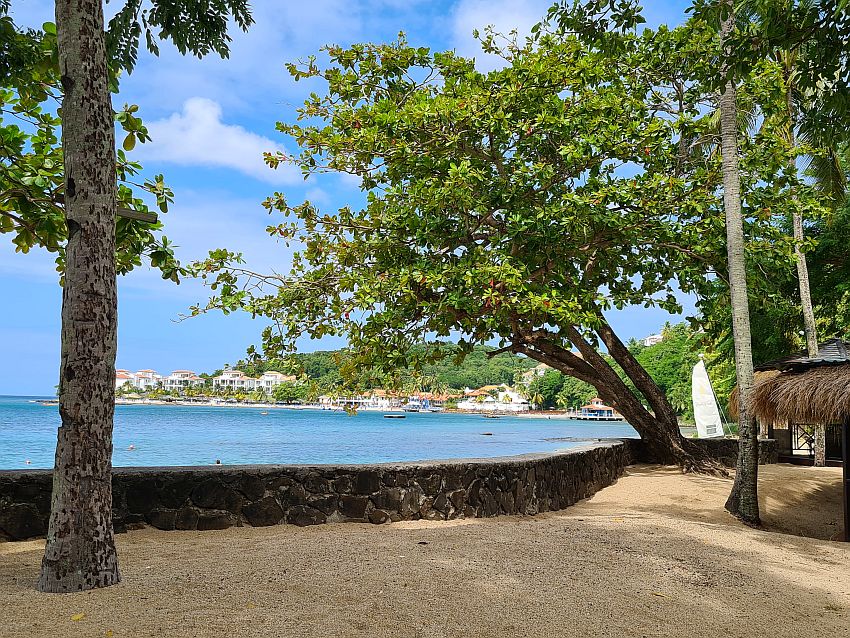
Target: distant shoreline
[[531, 414]]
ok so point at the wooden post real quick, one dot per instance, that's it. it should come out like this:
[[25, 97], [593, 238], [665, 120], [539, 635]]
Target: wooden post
[[845, 459]]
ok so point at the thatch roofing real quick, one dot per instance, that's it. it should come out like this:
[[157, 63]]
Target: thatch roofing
[[816, 395], [802, 389]]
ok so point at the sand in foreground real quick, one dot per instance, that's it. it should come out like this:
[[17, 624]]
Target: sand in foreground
[[654, 555]]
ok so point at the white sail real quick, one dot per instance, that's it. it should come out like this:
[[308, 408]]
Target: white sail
[[706, 413]]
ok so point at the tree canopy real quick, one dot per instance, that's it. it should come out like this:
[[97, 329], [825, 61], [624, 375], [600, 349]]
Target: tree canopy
[[32, 180], [521, 204]]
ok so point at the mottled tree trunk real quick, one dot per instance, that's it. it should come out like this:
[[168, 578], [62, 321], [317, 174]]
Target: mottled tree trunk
[[80, 551], [743, 501]]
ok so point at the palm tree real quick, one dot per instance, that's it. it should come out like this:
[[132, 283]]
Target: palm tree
[[743, 500], [825, 168], [537, 400]]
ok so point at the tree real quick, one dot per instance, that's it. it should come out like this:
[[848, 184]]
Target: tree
[[743, 500], [545, 389], [574, 393], [290, 392], [31, 163], [496, 207], [808, 38], [80, 551]]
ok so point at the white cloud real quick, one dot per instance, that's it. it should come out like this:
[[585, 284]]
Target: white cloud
[[503, 15], [197, 136]]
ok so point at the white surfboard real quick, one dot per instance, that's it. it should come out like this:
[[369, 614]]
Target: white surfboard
[[706, 412]]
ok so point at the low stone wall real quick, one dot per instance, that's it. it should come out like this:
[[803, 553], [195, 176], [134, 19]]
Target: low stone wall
[[202, 498]]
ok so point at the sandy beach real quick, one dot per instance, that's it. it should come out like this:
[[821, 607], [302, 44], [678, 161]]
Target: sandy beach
[[653, 555]]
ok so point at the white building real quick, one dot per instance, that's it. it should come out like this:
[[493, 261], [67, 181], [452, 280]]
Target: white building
[[146, 380], [233, 380], [122, 378], [535, 373], [652, 340], [237, 380], [506, 400], [181, 379], [271, 379]]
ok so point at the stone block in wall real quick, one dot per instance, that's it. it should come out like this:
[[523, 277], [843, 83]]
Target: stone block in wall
[[302, 516], [213, 494], [162, 519], [215, 519], [353, 507], [367, 482], [325, 504], [253, 488], [20, 521], [266, 511], [379, 517], [186, 519]]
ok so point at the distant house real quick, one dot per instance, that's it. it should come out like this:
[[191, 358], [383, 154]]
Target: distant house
[[483, 400], [271, 379], [238, 380], [181, 379], [146, 380], [123, 378], [233, 380], [537, 371], [597, 410], [652, 340]]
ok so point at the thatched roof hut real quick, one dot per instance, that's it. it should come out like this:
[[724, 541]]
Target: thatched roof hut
[[817, 395], [801, 389], [811, 390]]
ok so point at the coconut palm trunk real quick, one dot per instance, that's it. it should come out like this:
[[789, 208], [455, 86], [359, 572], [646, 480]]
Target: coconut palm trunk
[[743, 500], [80, 552], [788, 59]]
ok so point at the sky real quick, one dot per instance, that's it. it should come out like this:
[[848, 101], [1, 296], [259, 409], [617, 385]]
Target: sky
[[210, 121]]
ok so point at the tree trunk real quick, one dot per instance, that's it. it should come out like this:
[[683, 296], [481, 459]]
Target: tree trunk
[[80, 552], [743, 501], [803, 269], [659, 432]]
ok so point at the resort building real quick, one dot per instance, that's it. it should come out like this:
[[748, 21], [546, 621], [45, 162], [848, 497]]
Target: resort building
[[237, 380], [652, 340], [146, 380], [233, 380], [493, 398], [122, 378], [182, 379], [596, 410], [536, 372], [271, 379]]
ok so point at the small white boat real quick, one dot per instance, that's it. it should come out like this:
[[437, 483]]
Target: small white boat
[[395, 416]]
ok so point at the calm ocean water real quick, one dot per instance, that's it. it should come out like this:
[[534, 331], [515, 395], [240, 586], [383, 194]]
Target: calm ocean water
[[178, 435]]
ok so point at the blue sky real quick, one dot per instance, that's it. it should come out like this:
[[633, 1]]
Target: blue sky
[[210, 121]]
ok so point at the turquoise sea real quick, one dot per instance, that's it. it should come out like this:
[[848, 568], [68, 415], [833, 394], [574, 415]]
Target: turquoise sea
[[192, 435]]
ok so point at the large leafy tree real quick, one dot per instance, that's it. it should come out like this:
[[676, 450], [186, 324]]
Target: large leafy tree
[[520, 205], [80, 551], [32, 184]]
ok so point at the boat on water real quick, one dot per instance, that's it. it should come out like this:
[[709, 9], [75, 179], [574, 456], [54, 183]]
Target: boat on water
[[264, 413], [395, 416], [492, 416]]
